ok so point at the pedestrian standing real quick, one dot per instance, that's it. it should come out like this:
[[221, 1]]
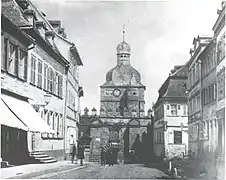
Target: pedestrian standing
[[81, 154], [102, 157], [72, 148]]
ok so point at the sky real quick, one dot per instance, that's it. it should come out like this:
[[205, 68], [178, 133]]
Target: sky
[[160, 34]]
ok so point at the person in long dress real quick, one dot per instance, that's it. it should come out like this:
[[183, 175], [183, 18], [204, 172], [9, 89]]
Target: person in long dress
[[72, 148], [81, 154]]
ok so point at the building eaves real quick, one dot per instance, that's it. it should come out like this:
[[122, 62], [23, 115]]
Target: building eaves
[[38, 38], [76, 55], [221, 15], [49, 25], [23, 34]]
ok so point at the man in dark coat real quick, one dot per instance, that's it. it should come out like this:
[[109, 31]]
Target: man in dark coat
[[102, 157], [81, 154]]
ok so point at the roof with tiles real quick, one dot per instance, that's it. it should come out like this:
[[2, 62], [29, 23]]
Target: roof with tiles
[[175, 84], [13, 12]]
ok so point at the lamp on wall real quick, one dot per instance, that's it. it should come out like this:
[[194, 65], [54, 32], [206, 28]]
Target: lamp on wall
[[47, 99]]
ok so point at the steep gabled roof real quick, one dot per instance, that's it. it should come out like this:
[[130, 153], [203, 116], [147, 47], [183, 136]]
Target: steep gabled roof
[[175, 84], [12, 11]]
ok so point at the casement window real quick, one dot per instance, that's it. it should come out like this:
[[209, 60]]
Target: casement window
[[60, 86], [40, 73], [184, 110], [48, 118], [53, 121], [198, 102], [177, 137], [45, 77], [194, 75], [3, 51], [221, 88], [56, 83], [50, 80], [214, 91], [22, 62], [33, 69], [58, 123], [173, 109], [11, 64]]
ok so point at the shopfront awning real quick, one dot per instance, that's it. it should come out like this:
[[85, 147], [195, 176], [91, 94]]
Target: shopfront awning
[[26, 113], [7, 118]]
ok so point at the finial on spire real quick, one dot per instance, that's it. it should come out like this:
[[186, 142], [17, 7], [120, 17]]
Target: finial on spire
[[123, 33]]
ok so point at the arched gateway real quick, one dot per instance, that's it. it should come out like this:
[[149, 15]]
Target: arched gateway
[[122, 123]]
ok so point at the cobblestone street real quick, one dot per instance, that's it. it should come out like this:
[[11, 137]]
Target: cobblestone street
[[95, 171]]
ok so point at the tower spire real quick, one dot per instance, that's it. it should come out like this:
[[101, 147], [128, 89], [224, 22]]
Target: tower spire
[[123, 33]]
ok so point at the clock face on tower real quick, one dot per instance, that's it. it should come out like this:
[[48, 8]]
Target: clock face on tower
[[116, 92]]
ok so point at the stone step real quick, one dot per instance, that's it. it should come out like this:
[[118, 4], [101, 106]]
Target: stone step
[[37, 153], [44, 158], [39, 156], [49, 161]]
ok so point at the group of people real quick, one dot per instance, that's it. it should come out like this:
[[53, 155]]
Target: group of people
[[109, 157], [74, 152]]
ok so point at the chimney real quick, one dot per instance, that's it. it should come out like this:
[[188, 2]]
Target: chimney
[[191, 52], [41, 26], [31, 16], [23, 3], [50, 36], [61, 32], [55, 24]]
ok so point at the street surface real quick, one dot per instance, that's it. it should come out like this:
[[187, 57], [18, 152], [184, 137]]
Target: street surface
[[95, 171]]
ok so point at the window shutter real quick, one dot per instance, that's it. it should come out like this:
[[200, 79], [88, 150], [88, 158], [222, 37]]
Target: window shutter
[[16, 67], [60, 84], [25, 66], [56, 83]]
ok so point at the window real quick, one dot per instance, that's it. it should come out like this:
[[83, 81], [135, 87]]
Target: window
[[12, 58], [56, 84], [23, 64], [214, 91], [40, 73], [60, 86], [194, 75], [50, 79], [53, 123], [45, 76], [33, 67], [184, 110], [177, 137], [173, 109], [3, 51], [168, 107], [48, 118], [221, 87], [198, 102], [178, 107], [193, 105]]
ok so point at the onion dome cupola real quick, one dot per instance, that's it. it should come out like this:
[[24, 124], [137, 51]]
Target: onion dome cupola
[[123, 48], [123, 73]]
